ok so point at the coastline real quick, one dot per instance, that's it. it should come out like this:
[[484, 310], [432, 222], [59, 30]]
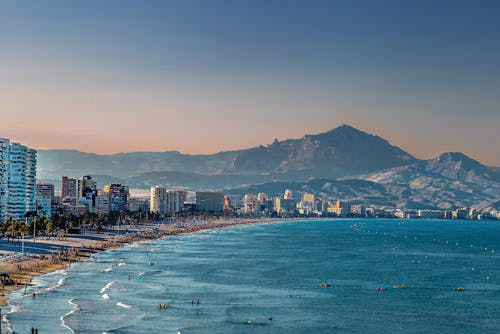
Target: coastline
[[179, 277], [22, 272]]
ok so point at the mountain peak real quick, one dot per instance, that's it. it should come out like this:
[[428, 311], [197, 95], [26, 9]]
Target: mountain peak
[[456, 165], [455, 156], [347, 129], [342, 151], [458, 158]]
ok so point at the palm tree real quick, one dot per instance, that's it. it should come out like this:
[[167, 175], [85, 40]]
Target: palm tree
[[11, 226], [49, 227]]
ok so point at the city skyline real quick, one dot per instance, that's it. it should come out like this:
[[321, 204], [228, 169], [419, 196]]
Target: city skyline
[[203, 77]]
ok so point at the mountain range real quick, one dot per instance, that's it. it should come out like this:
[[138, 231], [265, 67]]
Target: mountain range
[[343, 163]]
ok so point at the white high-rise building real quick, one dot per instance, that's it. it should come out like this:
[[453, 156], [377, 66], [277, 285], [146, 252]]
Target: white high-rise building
[[17, 180], [248, 203], [4, 151], [103, 202], [174, 200], [31, 180], [288, 194], [157, 201], [166, 201], [262, 198]]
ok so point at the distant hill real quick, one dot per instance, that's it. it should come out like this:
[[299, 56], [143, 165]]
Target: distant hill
[[55, 163], [343, 163], [449, 180], [340, 152]]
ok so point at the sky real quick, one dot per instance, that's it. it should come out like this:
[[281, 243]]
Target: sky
[[204, 76]]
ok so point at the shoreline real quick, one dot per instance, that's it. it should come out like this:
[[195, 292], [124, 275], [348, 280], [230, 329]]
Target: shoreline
[[24, 271]]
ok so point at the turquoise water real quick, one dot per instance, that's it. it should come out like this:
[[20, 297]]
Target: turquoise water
[[245, 275]]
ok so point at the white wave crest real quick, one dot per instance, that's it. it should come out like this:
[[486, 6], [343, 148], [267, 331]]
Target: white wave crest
[[76, 307], [107, 287], [59, 284], [105, 296], [123, 305], [5, 317]]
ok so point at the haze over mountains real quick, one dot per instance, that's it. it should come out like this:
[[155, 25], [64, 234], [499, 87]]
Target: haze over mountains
[[344, 163]]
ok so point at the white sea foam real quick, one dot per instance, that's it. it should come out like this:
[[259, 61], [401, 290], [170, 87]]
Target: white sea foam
[[57, 272], [107, 287], [108, 269], [121, 264], [5, 318], [39, 285], [7, 323], [76, 307], [59, 284], [123, 305], [15, 309], [105, 296]]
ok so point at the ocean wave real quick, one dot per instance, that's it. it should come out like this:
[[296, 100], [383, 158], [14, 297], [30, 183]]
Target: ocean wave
[[5, 318], [76, 307], [15, 308], [57, 272], [105, 296], [107, 287], [108, 269], [123, 305], [121, 264], [38, 286], [47, 283], [59, 284], [8, 325]]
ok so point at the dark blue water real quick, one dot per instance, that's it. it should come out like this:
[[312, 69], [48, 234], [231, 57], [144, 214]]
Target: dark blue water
[[243, 276]]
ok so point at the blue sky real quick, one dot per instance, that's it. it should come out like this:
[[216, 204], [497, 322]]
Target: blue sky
[[203, 76]]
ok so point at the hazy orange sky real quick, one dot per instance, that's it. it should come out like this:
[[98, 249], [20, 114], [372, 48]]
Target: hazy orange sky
[[122, 76]]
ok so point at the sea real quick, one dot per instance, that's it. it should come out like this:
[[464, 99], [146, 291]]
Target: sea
[[325, 276]]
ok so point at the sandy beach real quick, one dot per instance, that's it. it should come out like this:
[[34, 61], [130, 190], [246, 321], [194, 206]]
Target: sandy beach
[[46, 255]]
